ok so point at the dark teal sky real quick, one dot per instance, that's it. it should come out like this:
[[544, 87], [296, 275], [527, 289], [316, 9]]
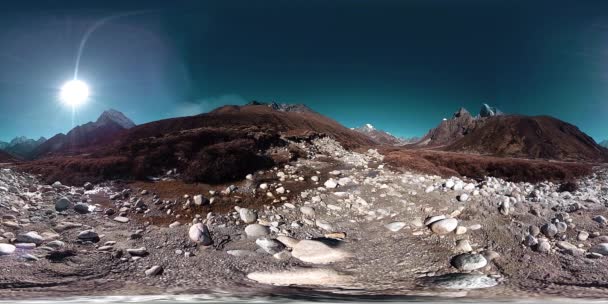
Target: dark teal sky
[[400, 65]]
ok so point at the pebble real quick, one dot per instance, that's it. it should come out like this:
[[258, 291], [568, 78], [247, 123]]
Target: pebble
[[463, 197], [324, 225], [582, 235]]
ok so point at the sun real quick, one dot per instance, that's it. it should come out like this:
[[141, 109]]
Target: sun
[[74, 92]]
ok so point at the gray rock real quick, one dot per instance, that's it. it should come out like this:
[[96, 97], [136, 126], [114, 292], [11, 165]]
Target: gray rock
[[543, 247], [62, 204], [248, 216], [561, 227], [88, 186], [549, 230], [582, 235], [30, 237], [199, 233], [570, 249], [199, 200], [530, 240], [468, 261], [139, 252], [81, 208], [89, 235], [270, 245], [256, 230], [154, 270], [601, 248], [600, 219], [308, 211], [462, 281]]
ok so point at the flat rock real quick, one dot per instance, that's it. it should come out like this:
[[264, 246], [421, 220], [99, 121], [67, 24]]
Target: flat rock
[[302, 276], [30, 237], [395, 226], [121, 219], [316, 252], [461, 281], [270, 245]]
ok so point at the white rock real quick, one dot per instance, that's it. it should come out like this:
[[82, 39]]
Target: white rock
[[6, 249], [303, 276], [444, 226], [395, 226], [199, 233], [330, 184], [256, 230], [248, 216]]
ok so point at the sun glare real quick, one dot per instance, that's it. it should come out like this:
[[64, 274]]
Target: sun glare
[[74, 93]]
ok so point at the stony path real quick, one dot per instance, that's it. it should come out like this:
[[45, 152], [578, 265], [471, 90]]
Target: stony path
[[334, 221]]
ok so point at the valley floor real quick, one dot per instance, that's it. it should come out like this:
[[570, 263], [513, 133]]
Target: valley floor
[[334, 223]]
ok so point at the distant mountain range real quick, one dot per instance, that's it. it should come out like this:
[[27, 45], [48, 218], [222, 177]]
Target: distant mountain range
[[382, 137], [604, 143], [21, 147]]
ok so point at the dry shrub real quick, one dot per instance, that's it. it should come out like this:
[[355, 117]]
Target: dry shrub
[[477, 166]]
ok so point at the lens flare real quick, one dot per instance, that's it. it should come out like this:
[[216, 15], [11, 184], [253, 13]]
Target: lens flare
[[74, 93]]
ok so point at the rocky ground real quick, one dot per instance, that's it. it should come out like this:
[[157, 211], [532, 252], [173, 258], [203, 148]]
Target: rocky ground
[[333, 222]]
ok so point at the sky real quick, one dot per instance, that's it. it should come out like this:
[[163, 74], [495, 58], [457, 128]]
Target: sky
[[400, 65]]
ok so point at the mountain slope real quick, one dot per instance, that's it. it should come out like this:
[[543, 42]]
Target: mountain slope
[[449, 130], [88, 136], [215, 147], [6, 158], [528, 137], [604, 143]]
